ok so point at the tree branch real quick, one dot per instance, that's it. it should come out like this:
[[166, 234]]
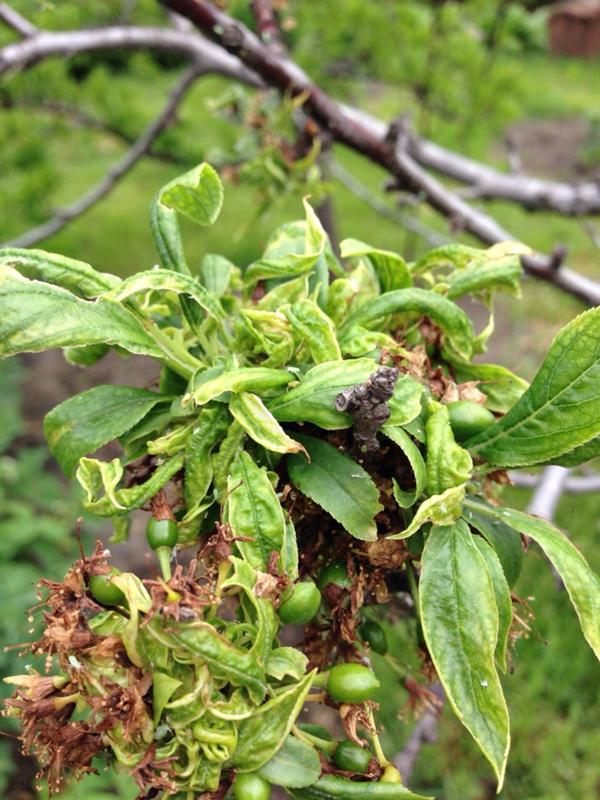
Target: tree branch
[[116, 174], [45, 44], [266, 25], [364, 134], [18, 23], [372, 199]]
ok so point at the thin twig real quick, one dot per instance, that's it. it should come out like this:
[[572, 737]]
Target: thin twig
[[376, 204], [16, 21], [109, 181]]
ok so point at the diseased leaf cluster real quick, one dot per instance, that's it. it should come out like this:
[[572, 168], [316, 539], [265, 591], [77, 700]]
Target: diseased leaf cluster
[[252, 448]]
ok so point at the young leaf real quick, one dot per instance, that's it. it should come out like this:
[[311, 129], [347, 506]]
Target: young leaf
[[313, 399], [502, 595], [164, 280], [96, 477], [250, 411], [261, 736], [252, 379], [315, 329], [449, 317], [501, 274], [89, 420], [294, 765], [286, 661], [76, 276], [211, 426], [561, 408], [415, 459], [405, 403], [501, 386], [448, 464], [460, 623], [333, 787], [216, 272], [505, 540], [253, 510], [441, 509], [581, 583], [339, 485], [38, 316], [390, 268], [198, 195]]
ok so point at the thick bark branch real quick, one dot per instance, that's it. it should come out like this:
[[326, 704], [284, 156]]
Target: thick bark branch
[[116, 174]]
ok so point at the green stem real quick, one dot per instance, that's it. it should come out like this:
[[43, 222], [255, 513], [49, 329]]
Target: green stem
[[163, 554], [308, 738], [414, 589], [379, 754]]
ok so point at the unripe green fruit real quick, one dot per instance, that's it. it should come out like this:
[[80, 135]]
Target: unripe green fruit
[[467, 419], [351, 757], [104, 591], [161, 533], [302, 604], [373, 634], [334, 573], [250, 786], [391, 774], [351, 683]]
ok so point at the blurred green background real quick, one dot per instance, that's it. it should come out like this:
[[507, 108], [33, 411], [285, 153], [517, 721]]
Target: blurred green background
[[468, 74]]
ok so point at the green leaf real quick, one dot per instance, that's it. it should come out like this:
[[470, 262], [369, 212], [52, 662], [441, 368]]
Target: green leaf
[[501, 386], [580, 455], [332, 787], [448, 464], [76, 276], [164, 280], [198, 195], [441, 509], [100, 479], [454, 255], [313, 399], [390, 268], [38, 316], [294, 765], [89, 420], [225, 660], [415, 459], [215, 273], [254, 510], [163, 686], [502, 274], [451, 319], [561, 408], [502, 595], [281, 259], [315, 329], [250, 411], [339, 485], [505, 540], [460, 623], [286, 661], [405, 403], [261, 736], [581, 583], [244, 379], [211, 426]]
